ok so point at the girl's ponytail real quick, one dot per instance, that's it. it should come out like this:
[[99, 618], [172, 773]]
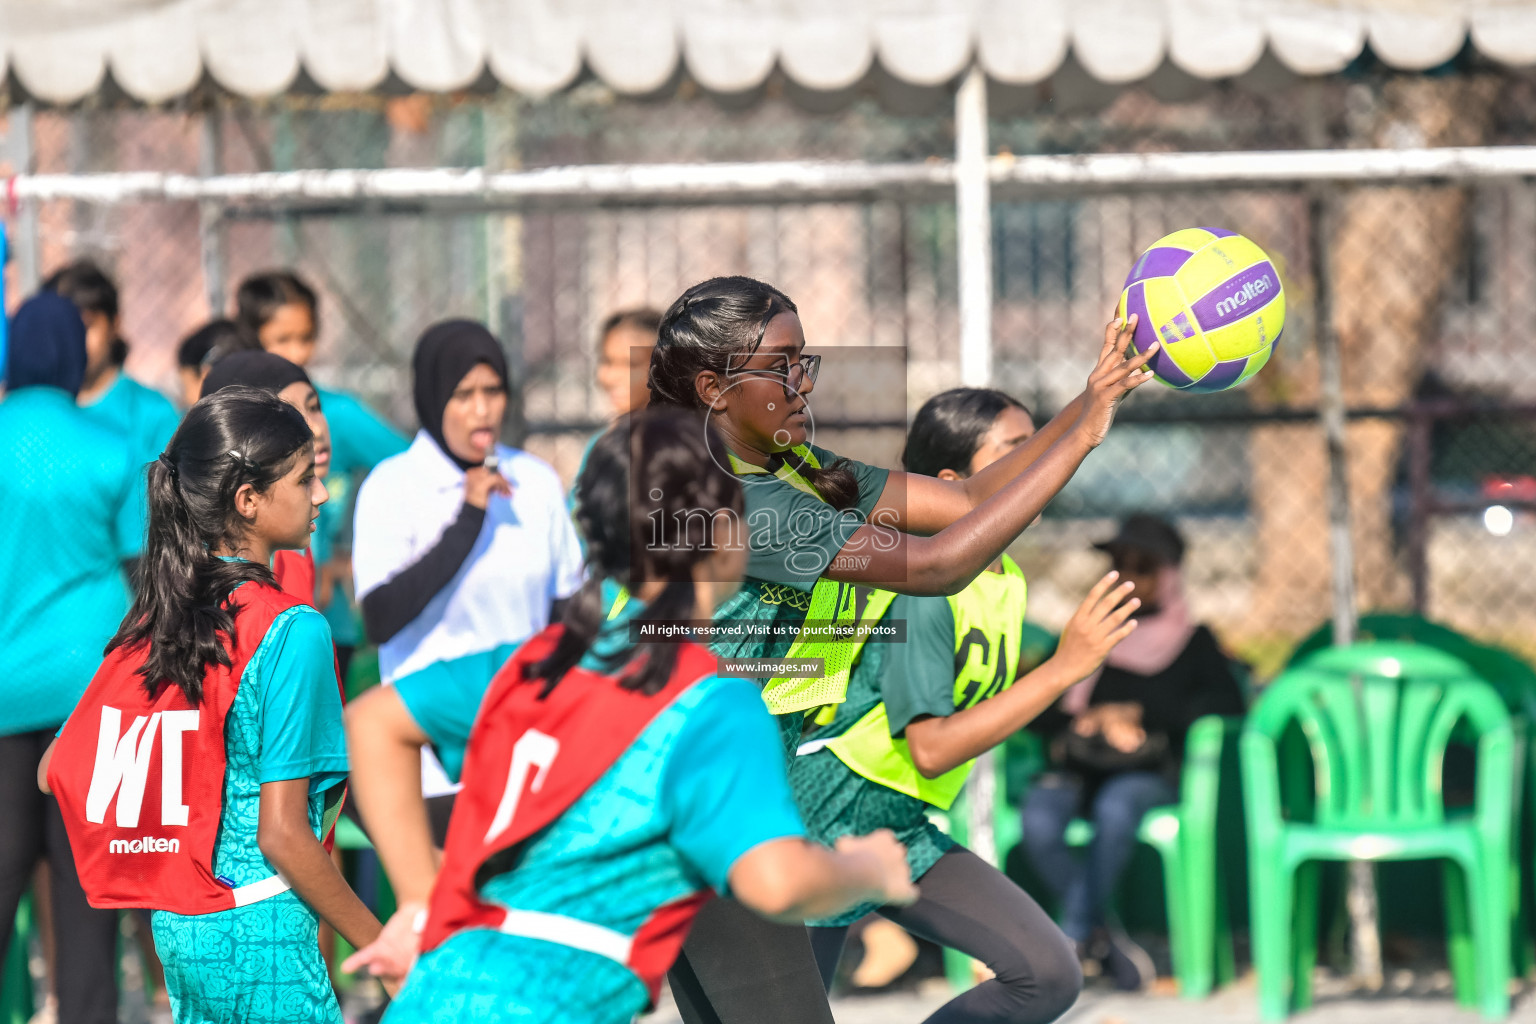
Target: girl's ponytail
[[181, 612], [835, 483], [648, 482]]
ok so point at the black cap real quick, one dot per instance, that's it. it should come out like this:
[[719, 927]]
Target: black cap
[[1149, 534]]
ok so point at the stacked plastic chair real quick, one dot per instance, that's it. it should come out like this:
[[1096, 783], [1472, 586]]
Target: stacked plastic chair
[[1376, 719]]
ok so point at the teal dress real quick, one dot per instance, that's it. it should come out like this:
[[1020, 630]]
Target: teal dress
[[700, 787], [141, 415], [73, 512], [444, 697], [360, 440], [261, 963]]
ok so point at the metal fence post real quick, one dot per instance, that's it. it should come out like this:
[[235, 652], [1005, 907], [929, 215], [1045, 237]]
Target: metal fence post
[[1365, 936], [24, 239], [1421, 497], [210, 219], [973, 226]]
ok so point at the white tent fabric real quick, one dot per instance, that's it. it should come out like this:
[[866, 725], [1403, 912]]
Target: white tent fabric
[[158, 49]]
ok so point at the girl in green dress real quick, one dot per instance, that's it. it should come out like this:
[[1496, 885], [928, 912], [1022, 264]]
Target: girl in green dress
[[831, 542], [917, 713]]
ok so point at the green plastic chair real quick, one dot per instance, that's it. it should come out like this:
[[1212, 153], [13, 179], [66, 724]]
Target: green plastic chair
[[1184, 835], [1512, 677], [1376, 719], [1515, 681]]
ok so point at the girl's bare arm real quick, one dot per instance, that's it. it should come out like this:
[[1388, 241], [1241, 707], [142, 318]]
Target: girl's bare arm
[[939, 745], [883, 553], [285, 839], [922, 504]]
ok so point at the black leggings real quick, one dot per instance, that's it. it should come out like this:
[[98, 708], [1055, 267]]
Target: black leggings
[[967, 904], [738, 968], [86, 938]]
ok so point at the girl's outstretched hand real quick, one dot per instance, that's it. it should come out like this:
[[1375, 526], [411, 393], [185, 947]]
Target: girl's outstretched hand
[[1099, 623], [1118, 371], [391, 956]]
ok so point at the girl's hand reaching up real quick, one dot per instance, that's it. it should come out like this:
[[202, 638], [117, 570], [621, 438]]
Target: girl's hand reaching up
[[1119, 371], [1100, 622]]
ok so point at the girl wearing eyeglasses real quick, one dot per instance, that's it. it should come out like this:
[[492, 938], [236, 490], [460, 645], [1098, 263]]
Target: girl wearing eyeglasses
[[832, 542]]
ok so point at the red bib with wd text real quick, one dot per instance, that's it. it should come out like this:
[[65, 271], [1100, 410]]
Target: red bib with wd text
[[140, 779], [528, 760]]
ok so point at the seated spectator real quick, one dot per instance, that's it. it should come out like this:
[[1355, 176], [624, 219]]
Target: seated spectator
[[1116, 744]]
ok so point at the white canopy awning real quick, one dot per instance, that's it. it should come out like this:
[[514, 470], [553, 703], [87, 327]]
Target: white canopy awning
[[61, 50]]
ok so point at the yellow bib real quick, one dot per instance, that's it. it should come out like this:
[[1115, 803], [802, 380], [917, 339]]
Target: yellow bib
[[988, 616], [834, 616]]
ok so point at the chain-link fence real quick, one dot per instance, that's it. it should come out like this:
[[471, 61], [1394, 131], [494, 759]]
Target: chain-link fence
[[1430, 287]]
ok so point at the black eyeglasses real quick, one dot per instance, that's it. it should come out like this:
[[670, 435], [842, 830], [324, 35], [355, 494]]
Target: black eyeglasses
[[792, 374]]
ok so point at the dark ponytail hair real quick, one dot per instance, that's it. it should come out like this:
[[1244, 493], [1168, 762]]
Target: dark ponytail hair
[[709, 324], [646, 504], [949, 428], [263, 294], [182, 609]]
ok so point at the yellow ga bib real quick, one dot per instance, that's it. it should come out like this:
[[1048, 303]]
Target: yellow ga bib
[[988, 615], [836, 612]]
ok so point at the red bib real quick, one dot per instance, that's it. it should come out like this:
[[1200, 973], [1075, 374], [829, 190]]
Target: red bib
[[140, 780], [295, 573], [528, 760]]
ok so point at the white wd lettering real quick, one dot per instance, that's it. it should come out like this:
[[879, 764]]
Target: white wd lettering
[[122, 767], [149, 844], [172, 725], [1244, 295], [533, 749]]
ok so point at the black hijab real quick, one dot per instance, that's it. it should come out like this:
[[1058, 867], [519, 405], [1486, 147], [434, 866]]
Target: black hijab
[[254, 369], [47, 345], [444, 354]]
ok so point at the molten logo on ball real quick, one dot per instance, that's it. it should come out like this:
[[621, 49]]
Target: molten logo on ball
[[1251, 290], [1213, 299]]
